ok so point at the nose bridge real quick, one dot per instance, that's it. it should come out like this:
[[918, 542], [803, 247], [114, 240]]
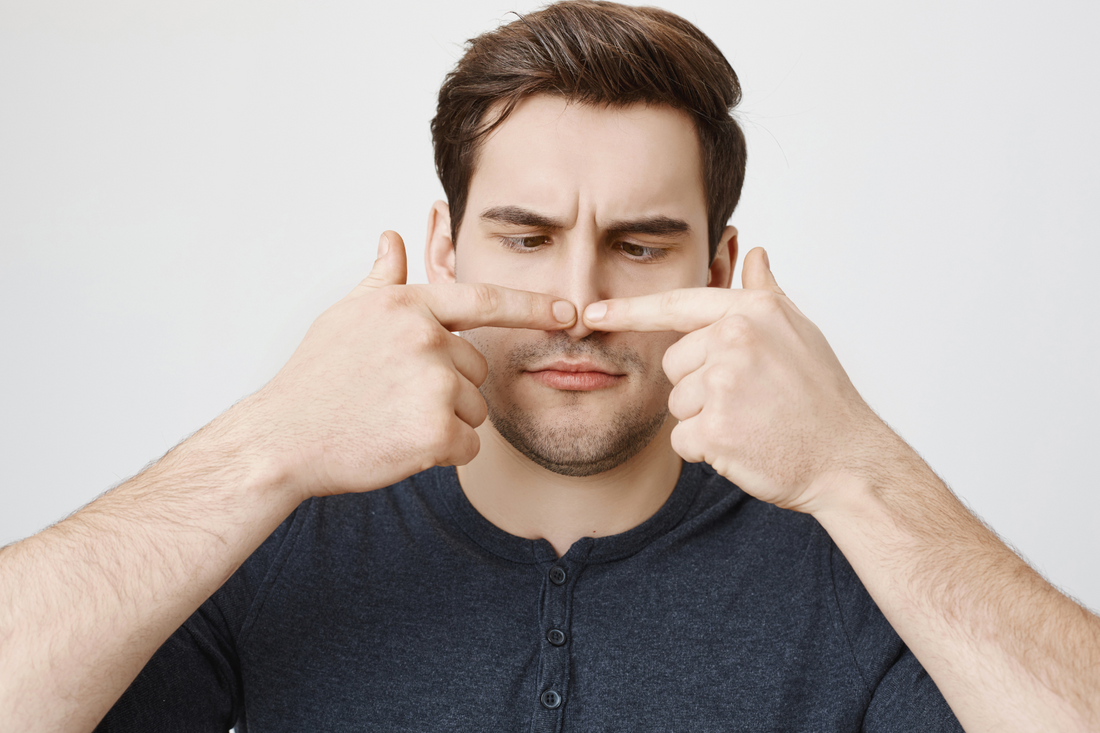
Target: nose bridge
[[579, 280]]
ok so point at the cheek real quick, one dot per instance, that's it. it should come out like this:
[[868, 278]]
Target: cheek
[[636, 281], [652, 347], [477, 261], [495, 344], [481, 340]]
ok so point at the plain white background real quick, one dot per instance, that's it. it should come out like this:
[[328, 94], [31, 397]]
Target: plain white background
[[185, 186]]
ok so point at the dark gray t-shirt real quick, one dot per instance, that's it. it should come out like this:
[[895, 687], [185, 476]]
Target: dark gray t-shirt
[[405, 610]]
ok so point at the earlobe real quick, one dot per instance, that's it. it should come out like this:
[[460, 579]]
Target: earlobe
[[439, 250], [725, 259]]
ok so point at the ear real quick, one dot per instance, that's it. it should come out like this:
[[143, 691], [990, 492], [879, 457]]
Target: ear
[[439, 250], [725, 259]]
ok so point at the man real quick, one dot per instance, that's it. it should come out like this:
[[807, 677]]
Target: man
[[306, 561]]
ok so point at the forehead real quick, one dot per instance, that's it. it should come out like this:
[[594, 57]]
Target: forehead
[[574, 160]]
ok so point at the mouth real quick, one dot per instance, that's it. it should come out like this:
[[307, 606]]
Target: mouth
[[576, 376]]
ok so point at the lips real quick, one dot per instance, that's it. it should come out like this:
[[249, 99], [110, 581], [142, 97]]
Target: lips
[[576, 376]]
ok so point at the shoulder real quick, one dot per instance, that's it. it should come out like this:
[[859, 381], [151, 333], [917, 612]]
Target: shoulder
[[779, 551], [323, 531], [743, 522], [356, 523]]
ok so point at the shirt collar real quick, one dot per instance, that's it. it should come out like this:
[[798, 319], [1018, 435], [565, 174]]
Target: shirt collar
[[446, 487]]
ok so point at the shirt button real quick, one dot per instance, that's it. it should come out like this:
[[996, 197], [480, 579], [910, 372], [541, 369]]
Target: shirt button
[[557, 575], [550, 699], [555, 637]]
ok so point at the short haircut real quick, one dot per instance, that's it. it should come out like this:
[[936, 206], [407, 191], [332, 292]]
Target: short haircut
[[598, 53]]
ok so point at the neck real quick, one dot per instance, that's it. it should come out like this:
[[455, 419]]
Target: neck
[[526, 500]]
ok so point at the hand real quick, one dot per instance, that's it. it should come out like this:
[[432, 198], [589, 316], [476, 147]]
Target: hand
[[379, 388], [758, 391]]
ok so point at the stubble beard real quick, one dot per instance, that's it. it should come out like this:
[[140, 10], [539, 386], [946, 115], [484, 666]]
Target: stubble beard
[[578, 446]]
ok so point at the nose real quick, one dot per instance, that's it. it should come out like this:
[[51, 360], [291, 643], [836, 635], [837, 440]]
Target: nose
[[579, 280]]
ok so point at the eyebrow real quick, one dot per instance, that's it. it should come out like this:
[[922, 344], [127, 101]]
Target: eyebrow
[[657, 226], [518, 216]]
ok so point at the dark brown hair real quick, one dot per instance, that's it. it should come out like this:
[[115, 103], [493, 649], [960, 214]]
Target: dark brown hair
[[599, 53]]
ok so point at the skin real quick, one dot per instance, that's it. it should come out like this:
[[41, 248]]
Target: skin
[[755, 388], [759, 395], [589, 171]]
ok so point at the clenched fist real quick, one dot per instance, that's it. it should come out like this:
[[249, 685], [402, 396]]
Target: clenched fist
[[380, 388]]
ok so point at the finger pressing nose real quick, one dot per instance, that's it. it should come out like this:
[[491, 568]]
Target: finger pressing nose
[[578, 330]]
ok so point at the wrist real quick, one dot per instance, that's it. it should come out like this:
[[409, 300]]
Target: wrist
[[240, 459], [880, 471], [890, 499]]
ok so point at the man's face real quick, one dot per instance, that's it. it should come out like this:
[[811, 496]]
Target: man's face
[[585, 203]]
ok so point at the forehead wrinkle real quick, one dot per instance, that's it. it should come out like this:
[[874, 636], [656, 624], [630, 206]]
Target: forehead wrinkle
[[596, 182], [657, 225]]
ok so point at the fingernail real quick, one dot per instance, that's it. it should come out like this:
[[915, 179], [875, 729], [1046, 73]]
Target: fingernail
[[766, 260], [383, 246], [595, 312], [563, 311]]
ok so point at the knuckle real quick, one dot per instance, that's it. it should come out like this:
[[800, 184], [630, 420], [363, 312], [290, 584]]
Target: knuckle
[[438, 385], [678, 440], [668, 363], [450, 384], [480, 406], [770, 299], [425, 336], [486, 298], [684, 444], [675, 398], [758, 298], [676, 361], [718, 379], [480, 371], [735, 327], [394, 297], [474, 364], [771, 303], [466, 447], [440, 435], [765, 302], [715, 425], [481, 411], [672, 299]]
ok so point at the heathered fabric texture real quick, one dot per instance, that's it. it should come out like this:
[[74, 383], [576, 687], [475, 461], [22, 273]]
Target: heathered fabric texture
[[405, 610]]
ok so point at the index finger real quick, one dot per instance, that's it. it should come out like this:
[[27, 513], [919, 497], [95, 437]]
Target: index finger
[[462, 306], [684, 310]]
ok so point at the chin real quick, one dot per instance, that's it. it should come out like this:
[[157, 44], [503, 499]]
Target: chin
[[578, 444]]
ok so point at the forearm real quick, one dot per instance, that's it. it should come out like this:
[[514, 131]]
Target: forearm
[[85, 603], [1006, 649]]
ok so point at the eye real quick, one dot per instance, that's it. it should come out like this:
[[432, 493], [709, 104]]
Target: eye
[[640, 252], [524, 244]]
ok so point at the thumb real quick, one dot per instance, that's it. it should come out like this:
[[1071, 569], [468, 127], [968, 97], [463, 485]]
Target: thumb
[[756, 273], [389, 269]]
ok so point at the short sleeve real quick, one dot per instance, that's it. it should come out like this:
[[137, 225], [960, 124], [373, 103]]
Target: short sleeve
[[192, 684], [906, 699], [903, 697]]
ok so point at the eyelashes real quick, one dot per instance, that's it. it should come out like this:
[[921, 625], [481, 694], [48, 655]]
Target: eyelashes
[[631, 250], [524, 244]]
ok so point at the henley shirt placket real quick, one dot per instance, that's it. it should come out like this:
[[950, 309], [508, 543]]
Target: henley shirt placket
[[555, 624]]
